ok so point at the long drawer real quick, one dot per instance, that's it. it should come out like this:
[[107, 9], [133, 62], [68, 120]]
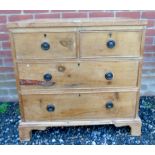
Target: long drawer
[[48, 45], [110, 43], [84, 74], [79, 106]]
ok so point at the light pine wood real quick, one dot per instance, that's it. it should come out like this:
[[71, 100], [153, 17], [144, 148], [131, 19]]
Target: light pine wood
[[16, 76], [28, 45], [28, 91], [26, 127], [136, 128], [81, 75], [79, 106], [25, 132], [76, 29], [78, 59], [76, 22], [95, 43], [142, 43], [140, 71], [135, 125]]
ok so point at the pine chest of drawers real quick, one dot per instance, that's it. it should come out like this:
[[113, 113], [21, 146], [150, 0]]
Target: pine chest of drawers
[[78, 72]]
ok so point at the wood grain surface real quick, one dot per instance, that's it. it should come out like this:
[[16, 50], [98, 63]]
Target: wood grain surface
[[79, 106], [80, 75], [127, 43], [28, 45]]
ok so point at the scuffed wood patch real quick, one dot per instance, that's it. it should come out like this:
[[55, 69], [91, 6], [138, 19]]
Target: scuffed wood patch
[[35, 82]]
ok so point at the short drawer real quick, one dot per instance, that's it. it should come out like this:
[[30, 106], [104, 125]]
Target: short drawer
[[110, 43], [85, 74], [45, 45], [79, 106]]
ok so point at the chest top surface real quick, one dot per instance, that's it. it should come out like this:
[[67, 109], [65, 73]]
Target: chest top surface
[[76, 22]]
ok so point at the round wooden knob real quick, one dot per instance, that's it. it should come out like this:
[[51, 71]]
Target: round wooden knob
[[45, 46], [47, 77], [50, 108], [109, 105], [109, 75], [111, 44]]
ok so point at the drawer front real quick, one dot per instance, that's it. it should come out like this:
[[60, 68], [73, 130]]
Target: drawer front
[[85, 74], [45, 45], [79, 106], [106, 43]]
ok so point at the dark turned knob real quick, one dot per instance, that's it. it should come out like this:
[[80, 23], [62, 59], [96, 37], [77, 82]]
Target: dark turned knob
[[109, 105], [50, 108], [111, 44], [109, 76], [45, 46], [47, 77]]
